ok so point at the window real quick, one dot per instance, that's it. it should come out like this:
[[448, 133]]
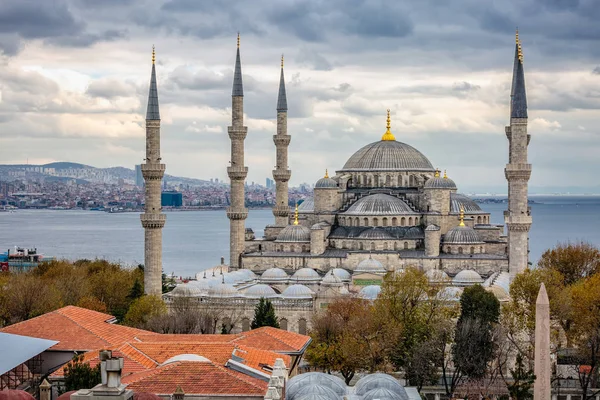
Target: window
[[416, 220], [403, 221], [385, 245], [360, 246], [302, 326], [479, 219], [410, 221], [395, 245], [283, 324], [245, 324], [304, 248], [394, 221], [384, 220], [375, 222], [292, 248], [472, 250], [372, 245], [357, 222], [349, 221], [405, 245], [460, 250], [366, 221], [481, 249]]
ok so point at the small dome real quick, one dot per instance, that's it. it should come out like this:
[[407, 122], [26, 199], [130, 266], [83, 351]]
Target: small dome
[[382, 393], [438, 182], [306, 275], [186, 290], [462, 235], [297, 292], [467, 277], [298, 382], [432, 228], [202, 284], [458, 201], [315, 389], [499, 292], [370, 265], [274, 275], [234, 277], [370, 292], [379, 204], [294, 233], [331, 280], [307, 206], [437, 276], [260, 290], [388, 155], [247, 274], [342, 274], [375, 233], [223, 290], [326, 183], [450, 293], [379, 381]]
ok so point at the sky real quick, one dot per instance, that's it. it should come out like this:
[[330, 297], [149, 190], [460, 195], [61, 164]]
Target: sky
[[74, 77]]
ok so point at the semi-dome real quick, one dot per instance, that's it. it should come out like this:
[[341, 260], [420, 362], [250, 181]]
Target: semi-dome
[[467, 277], [370, 292], [437, 276], [306, 275], [388, 155], [342, 274], [462, 235], [274, 275], [379, 204], [375, 233], [260, 290], [307, 206], [438, 182], [370, 265], [297, 292], [294, 233], [460, 201]]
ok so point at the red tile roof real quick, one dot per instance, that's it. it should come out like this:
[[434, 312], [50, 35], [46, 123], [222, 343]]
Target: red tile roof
[[267, 338]]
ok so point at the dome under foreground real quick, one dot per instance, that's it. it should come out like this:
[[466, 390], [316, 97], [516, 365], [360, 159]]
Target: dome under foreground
[[388, 155]]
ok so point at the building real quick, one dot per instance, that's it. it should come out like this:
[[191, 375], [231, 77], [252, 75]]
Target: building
[[171, 199]]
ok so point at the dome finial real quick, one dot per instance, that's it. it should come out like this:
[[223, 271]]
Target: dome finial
[[462, 217], [296, 215], [388, 135], [517, 36], [282, 61], [437, 173], [326, 173], [445, 175], [153, 54]]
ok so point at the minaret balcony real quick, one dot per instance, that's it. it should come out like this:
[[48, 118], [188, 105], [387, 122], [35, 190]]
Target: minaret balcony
[[153, 221], [237, 173], [282, 175], [282, 140], [237, 132], [236, 214], [281, 211], [517, 171], [153, 172], [517, 218]]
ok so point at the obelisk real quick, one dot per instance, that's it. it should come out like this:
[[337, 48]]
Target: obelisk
[[541, 387]]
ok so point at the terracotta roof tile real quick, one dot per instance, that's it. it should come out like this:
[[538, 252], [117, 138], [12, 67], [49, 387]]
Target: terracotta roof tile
[[267, 338]]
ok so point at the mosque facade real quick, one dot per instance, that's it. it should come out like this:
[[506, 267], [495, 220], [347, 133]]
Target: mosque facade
[[387, 208]]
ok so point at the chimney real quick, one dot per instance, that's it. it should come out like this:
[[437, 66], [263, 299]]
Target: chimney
[[45, 390], [222, 260], [179, 393], [110, 387]]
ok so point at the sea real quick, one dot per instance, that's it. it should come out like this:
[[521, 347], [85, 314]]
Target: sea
[[196, 240]]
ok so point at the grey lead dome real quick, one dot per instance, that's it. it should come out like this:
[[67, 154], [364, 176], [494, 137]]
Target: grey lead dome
[[388, 155], [379, 204], [294, 233], [462, 235]]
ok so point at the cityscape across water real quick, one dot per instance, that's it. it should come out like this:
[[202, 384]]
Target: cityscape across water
[[196, 240]]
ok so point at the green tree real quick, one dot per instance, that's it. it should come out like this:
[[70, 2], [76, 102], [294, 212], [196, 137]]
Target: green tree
[[137, 290], [523, 379], [478, 303], [264, 314], [79, 374], [144, 309], [574, 261]]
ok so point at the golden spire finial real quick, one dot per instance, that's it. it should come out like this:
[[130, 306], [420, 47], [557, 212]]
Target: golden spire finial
[[296, 215], [282, 61], [517, 35], [445, 175], [388, 135], [462, 217], [437, 173], [326, 173], [153, 54], [238, 40]]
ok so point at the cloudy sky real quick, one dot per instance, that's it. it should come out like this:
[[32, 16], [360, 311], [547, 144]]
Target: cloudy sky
[[74, 80]]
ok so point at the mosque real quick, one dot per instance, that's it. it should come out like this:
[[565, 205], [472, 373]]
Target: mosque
[[385, 209]]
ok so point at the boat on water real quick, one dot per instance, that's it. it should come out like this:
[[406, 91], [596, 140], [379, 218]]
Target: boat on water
[[21, 259]]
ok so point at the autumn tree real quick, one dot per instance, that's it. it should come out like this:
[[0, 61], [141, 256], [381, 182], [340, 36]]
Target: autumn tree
[[264, 314], [574, 261], [143, 309]]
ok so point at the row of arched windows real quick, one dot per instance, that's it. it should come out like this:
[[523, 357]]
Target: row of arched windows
[[483, 219], [375, 180], [377, 221], [292, 248], [360, 245], [283, 324], [461, 250]]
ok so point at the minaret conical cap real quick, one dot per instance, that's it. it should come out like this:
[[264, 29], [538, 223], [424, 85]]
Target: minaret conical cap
[[238, 87], [518, 106], [281, 98], [152, 112]]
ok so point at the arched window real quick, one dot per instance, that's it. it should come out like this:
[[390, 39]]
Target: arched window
[[372, 245], [343, 245], [405, 245], [360, 246], [375, 222], [481, 249], [416, 220], [304, 248], [349, 221], [384, 220], [395, 245], [385, 245], [402, 221], [448, 250], [354, 245], [302, 326], [283, 324], [245, 324], [506, 249], [226, 325], [460, 251], [333, 244], [394, 221], [479, 219], [366, 221], [472, 250], [388, 181], [292, 248], [410, 221], [281, 248], [356, 221]]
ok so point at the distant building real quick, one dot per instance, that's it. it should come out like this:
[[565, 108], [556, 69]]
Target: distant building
[[139, 178], [171, 199], [270, 183]]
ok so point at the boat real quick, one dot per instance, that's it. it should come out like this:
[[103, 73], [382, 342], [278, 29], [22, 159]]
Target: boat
[[21, 259]]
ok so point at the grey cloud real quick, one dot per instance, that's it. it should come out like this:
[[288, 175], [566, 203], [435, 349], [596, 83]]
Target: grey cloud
[[464, 87], [109, 89], [37, 19], [88, 39], [10, 44], [596, 71], [313, 59]]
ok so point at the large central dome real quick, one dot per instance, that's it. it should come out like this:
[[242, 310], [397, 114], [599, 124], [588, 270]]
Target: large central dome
[[388, 155]]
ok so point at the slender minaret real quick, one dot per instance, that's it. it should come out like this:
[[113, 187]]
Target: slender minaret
[[281, 173], [542, 365], [152, 170], [518, 171], [237, 172]]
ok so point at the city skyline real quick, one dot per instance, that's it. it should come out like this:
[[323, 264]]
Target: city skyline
[[75, 84]]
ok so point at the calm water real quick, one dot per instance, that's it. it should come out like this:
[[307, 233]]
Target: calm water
[[193, 241]]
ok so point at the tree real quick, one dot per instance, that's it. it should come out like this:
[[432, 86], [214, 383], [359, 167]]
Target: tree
[[478, 303], [137, 290], [144, 309], [573, 261], [522, 381], [264, 314], [79, 374]]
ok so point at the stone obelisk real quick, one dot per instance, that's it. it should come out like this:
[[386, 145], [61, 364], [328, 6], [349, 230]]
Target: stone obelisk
[[153, 170], [541, 387]]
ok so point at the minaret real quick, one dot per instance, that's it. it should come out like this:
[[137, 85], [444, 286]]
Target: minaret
[[518, 171], [152, 170], [281, 173], [237, 212]]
